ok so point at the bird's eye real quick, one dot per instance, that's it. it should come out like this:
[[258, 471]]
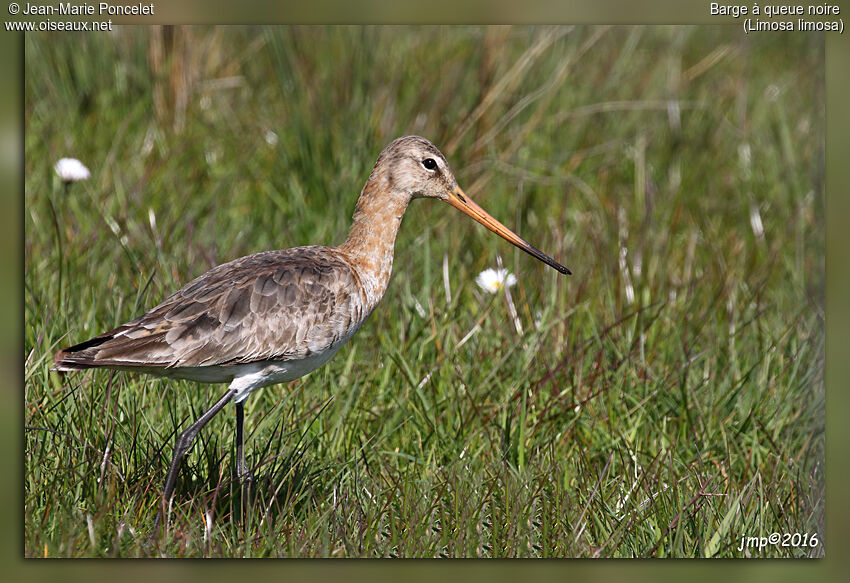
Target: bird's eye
[[429, 164]]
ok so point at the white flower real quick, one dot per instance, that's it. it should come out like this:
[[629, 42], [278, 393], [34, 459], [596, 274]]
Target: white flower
[[270, 137], [493, 280], [71, 170]]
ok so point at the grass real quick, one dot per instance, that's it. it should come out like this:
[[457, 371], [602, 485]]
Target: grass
[[666, 400]]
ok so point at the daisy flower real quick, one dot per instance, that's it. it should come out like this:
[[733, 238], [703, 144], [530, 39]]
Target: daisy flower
[[494, 280], [71, 170]]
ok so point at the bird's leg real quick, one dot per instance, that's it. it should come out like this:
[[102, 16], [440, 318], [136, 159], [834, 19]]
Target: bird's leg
[[184, 442], [242, 471]]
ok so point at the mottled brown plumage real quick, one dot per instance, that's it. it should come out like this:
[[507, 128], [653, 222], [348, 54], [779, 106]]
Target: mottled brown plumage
[[277, 315], [276, 305]]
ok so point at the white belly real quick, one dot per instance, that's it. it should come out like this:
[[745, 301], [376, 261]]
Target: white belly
[[246, 378]]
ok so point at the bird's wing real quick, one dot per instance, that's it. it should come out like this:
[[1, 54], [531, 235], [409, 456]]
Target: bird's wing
[[277, 305]]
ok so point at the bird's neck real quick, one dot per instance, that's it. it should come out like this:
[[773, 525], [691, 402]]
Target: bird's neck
[[370, 242]]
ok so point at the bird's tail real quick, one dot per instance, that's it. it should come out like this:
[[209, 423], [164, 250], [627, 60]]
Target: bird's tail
[[80, 356]]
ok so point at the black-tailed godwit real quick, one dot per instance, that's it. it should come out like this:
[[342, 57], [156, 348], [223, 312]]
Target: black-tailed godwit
[[275, 316]]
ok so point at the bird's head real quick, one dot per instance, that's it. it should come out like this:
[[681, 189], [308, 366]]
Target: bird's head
[[413, 167]]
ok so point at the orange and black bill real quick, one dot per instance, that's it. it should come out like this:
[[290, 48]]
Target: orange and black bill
[[463, 203]]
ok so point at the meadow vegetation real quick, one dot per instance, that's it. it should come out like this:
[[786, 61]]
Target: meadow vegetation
[[665, 400]]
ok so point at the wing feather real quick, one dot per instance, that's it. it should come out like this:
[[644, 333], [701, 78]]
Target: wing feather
[[276, 305]]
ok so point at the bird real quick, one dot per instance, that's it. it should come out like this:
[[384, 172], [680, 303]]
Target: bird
[[274, 316]]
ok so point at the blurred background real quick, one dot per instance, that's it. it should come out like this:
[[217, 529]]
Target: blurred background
[[646, 406]]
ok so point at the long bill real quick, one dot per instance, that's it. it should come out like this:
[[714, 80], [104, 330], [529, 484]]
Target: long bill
[[458, 199]]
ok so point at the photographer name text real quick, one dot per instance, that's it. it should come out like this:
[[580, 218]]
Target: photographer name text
[[99, 9]]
